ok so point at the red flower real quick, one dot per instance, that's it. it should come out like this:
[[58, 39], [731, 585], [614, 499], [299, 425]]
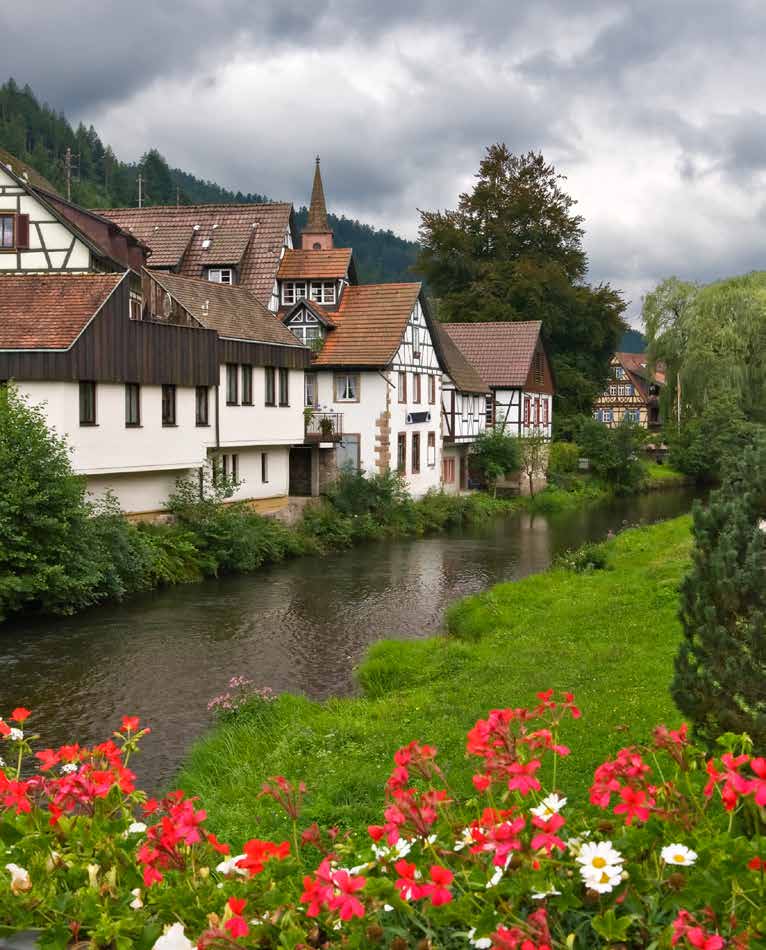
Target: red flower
[[236, 925], [407, 883], [481, 782], [219, 846], [548, 838], [5, 729], [632, 805], [757, 864], [522, 777], [130, 723], [344, 900], [20, 714], [48, 758], [237, 905], [317, 890], [259, 852], [438, 891]]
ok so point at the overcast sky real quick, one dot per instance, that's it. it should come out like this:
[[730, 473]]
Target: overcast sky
[[652, 108]]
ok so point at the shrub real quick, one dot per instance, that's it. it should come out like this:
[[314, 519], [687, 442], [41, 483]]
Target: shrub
[[327, 526], [721, 664], [613, 453], [47, 557], [355, 493], [659, 856], [582, 560], [563, 458], [496, 454]]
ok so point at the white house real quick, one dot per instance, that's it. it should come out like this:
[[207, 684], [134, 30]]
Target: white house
[[510, 358]]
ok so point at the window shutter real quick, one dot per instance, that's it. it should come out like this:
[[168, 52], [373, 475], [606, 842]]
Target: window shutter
[[22, 231]]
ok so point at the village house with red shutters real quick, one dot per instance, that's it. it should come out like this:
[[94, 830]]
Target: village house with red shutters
[[159, 339], [633, 393]]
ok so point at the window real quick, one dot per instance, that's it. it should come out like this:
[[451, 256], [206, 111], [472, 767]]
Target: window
[[415, 341], [284, 387], [545, 412], [416, 393], [201, 402], [448, 471], [235, 468], [7, 242], [347, 387], [619, 372], [537, 368], [402, 387], [247, 384], [322, 291], [415, 453], [136, 305], [527, 410], [607, 415], [431, 451], [230, 467], [132, 404], [271, 392], [632, 415], [310, 394], [293, 290], [401, 453], [264, 466], [612, 390], [221, 275], [307, 335], [489, 411], [348, 453], [232, 384], [168, 405], [87, 404], [432, 390], [629, 391]]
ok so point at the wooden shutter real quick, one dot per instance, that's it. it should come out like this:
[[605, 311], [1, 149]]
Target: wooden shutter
[[22, 231]]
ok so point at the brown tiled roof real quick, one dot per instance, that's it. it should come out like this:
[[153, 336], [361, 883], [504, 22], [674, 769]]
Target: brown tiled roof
[[303, 265], [232, 311], [49, 311], [248, 236], [368, 325], [463, 374], [638, 364], [501, 352], [25, 172]]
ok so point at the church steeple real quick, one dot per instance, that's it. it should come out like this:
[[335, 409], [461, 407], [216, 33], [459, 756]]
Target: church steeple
[[317, 235]]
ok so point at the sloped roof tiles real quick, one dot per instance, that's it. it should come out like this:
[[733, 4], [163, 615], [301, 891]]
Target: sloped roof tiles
[[501, 352], [305, 265]]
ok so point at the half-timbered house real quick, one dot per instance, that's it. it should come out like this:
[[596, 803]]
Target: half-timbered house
[[633, 393], [463, 411], [511, 360]]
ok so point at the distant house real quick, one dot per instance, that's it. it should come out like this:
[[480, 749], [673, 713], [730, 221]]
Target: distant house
[[633, 393], [511, 360]]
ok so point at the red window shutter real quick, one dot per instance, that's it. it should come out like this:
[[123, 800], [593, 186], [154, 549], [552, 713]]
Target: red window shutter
[[545, 412], [526, 410], [22, 231]]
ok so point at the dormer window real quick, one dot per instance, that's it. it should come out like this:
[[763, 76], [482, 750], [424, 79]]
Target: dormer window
[[323, 291], [221, 275], [293, 290], [619, 372]]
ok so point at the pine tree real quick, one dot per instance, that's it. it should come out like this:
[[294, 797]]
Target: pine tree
[[720, 679]]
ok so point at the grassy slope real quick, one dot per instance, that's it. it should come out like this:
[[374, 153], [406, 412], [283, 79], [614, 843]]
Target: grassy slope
[[609, 636]]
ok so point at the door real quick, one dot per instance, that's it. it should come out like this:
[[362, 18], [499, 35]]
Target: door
[[300, 471]]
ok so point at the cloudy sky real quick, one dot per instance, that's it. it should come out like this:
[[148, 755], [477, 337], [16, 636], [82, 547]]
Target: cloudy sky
[[652, 108]]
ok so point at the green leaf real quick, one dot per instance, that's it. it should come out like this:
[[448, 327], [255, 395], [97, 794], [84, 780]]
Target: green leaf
[[611, 927]]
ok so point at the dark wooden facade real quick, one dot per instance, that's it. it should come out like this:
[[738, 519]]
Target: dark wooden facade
[[114, 349], [263, 354]]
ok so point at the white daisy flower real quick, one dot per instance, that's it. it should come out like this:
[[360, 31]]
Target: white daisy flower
[[602, 881], [550, 805], [229, 866], [68, 767], [16, 735], [173, 939], [679, 855], [597, 856], [482, 943], [399, 850], [135, 828], [2, 762]]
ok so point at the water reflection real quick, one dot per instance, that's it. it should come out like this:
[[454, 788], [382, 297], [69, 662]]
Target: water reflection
[[299, 626]]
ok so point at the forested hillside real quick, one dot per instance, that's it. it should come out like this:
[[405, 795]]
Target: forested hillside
[[39, 136]]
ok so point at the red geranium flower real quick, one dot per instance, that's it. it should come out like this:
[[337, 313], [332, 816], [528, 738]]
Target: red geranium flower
[[20, 714]]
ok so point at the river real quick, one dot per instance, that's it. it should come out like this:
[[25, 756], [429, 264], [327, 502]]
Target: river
[[299, 626]]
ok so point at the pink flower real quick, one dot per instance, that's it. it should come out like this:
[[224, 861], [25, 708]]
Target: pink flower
[[438, 891], [344, 900], [522, 777], [632, 805]]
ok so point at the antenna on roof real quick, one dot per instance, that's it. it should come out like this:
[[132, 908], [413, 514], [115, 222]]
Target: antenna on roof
[[140, 190], [68, 170], [178, 196]]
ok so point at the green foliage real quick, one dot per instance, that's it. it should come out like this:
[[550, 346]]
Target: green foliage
[[47, 556], [563, 458], [586, 558], [513, 251], [721, 665], [613, 453], [709, 444], [495, 454]]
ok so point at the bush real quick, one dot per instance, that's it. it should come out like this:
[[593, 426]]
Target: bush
[[613, 453], [48, 560], [495, 455], [563, 458], [659, 856], [721, 665], [583, 560]]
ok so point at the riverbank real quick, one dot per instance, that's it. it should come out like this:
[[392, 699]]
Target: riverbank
[[609, 635]]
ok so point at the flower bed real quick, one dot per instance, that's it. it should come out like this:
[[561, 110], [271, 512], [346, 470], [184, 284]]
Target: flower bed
[[667, 852]]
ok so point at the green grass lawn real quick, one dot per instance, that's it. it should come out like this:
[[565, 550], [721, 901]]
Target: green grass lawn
[[663, 475], [610, 636]]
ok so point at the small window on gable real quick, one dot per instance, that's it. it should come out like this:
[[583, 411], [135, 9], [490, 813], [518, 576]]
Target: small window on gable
[[322, 291], [14, 231], [293, 290], [7, 241], [221, 275]]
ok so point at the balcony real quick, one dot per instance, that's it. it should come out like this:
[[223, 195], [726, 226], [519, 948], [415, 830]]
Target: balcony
[[324, 427]]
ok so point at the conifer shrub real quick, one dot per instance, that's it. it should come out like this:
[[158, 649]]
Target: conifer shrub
[[721, 664]]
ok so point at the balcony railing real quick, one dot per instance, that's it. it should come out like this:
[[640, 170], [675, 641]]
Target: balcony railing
[[324, 426]]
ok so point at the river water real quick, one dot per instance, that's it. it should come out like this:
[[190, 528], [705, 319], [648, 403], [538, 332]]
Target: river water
[[298, 627]]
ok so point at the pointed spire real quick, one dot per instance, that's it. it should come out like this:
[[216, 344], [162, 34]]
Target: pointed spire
[[317, 225]]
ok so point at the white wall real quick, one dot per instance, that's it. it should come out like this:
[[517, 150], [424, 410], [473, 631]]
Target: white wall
[[470, 418], [252, 485], [138, 492], [260, 424], [45, 234], [509, 408]]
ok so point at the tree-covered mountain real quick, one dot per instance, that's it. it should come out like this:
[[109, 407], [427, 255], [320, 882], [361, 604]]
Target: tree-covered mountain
[[633, 341], [36, 134]]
